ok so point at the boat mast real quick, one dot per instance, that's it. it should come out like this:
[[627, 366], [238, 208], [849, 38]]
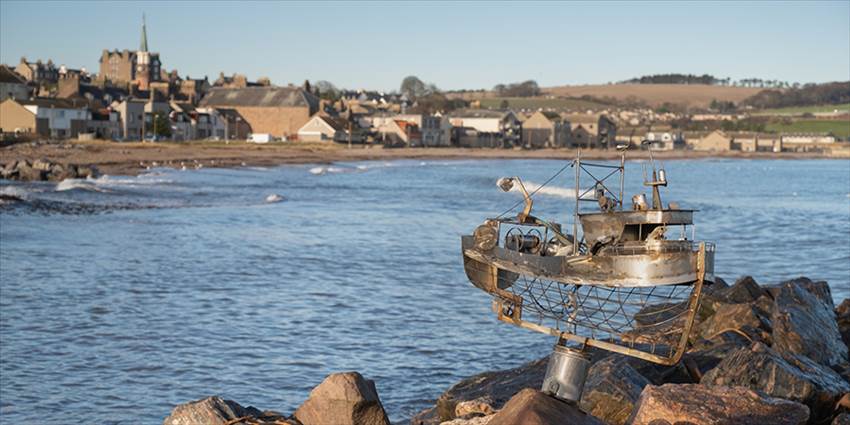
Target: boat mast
[[578, 195]]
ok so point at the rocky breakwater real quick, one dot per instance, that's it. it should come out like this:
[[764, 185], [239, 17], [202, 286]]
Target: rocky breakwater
[[44, 170], [774, 354]]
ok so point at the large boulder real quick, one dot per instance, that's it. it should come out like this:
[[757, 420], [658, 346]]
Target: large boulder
[[842, 313], [791, 377], [695, 404], [210, 411], [804, 322], [820, 288], [343, 399], [747, 319], [745, 290], [497, 386], [706, 354], [612, 389], [533, 407]]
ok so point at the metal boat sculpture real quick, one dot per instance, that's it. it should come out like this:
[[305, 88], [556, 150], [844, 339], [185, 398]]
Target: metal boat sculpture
[[626, 280]]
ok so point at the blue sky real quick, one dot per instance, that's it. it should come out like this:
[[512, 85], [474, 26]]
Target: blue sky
[[453, 45]]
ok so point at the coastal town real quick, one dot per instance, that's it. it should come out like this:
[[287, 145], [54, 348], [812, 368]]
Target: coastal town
[[133, 98]]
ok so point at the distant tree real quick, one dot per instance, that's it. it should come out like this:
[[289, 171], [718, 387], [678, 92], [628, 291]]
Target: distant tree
[[307, 87], [504, 104], [526, 88], [161, 125], [413, 87], [264, 81], [326, 90]]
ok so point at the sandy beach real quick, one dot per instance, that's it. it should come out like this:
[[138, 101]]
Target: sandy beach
[[133, 158]]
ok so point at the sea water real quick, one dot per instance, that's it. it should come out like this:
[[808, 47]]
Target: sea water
[[121, 297]]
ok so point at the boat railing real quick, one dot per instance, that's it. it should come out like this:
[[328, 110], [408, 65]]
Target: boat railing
[[659, 247]]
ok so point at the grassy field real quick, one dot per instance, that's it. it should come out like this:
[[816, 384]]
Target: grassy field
[[796, 110], [533, 103], [698, 95], [840, 128]]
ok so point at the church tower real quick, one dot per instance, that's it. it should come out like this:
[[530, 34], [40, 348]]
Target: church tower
[[143, 61]]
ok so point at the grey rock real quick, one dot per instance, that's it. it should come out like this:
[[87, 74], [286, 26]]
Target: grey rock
[[745, 290], [820, 289], [209, 411], [804, 323], [791, 377], [842, 313], [747, 319]]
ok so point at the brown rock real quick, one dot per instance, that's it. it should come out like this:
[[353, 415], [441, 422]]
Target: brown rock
[[612, 388], [695, 404], [804, 323], [532, 407], [478, 420], [498, 386], [343, 399], [209, 411], [41, 164], [478, 406]]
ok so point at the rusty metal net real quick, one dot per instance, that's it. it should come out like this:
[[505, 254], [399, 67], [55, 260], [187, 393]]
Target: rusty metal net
[[647, 322]]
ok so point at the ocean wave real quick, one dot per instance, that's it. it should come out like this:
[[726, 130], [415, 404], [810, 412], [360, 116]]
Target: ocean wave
[[273, 198], [15, 191], [102, 183], [335, 169], [553, 191], [81, 184]]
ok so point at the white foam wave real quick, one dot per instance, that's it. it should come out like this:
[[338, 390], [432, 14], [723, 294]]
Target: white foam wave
[[102, 183], [273, 198], [82, 184], [15, 191], [333, 169], [553, 191]]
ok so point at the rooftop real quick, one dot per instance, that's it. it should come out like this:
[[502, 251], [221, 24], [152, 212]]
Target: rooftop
[[260, 96]]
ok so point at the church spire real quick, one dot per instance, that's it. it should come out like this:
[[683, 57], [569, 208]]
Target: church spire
[[144, 46]]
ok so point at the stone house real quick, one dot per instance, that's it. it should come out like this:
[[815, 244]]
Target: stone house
[[665, 140], [601, 129], [105, 124], [139, 67], [502, 127], [38, 72], [715, 141], [399, 133], [53, 118], [132, 114], [545, 129], [12, 85], [279, 111], [235, 126], [323, 128]]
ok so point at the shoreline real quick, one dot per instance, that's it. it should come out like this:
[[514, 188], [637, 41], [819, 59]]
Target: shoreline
[[134, 158]]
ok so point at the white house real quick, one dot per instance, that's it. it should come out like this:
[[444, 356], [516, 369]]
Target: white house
[[64, 119], [322, 128]]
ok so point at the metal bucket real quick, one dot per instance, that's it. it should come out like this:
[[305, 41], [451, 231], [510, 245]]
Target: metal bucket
[[566, 373]]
